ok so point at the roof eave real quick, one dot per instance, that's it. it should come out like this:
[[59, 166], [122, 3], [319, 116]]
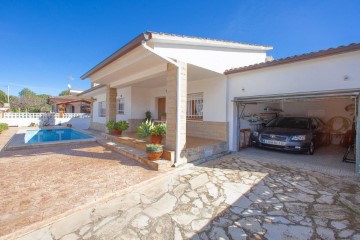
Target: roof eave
[[91, 90], [122, 51], [182, 39], [297, 58]]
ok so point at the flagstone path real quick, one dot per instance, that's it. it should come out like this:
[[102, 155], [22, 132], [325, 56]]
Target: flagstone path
[[228, 198]]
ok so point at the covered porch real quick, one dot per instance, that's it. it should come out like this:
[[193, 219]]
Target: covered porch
[[196, 148], [145, 81]]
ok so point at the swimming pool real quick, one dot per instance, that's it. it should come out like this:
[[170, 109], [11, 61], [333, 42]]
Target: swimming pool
[[53, 135]]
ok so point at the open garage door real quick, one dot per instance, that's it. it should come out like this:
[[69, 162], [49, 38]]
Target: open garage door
[[332, 123]]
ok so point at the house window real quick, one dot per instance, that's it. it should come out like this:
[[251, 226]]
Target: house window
[[102, 109], [194, 108], [121, 106]]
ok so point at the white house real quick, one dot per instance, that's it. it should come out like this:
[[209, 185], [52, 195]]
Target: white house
[[209, 81]]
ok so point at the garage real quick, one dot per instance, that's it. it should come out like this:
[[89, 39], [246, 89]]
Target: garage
[[333, 117], [317, 93]]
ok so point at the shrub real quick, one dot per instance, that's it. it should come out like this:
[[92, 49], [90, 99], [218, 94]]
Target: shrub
[[3, 127], [110, 125], [122, 125]]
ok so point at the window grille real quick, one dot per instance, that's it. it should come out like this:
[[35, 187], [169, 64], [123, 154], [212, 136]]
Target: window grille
[[195, 106], [121, 105], [102, 109]]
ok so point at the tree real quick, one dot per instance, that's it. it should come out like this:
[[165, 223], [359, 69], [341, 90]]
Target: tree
[[64, 93], [15, 104], [26, 92], [28, 101], [3, 98]]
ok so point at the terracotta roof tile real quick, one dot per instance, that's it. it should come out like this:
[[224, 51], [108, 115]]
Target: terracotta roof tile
[[297, 58]]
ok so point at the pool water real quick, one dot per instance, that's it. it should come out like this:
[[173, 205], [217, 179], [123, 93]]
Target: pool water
[[53, 135]]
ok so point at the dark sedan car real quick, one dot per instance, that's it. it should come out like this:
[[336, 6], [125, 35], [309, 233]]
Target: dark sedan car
[[300, 134]]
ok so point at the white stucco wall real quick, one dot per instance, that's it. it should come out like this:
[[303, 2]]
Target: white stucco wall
[[215, 59], [214, 91], [99, 97], [126, 94], [322, 74], [140, 102], [314, 75], [80, 123], [77, 106]]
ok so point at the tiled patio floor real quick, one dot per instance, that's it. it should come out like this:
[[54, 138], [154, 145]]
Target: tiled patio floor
[[39, 184], [191, 142]]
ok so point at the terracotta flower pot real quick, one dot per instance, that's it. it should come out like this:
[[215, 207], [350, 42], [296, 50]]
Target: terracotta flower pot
[[154, 155], [156, 139], [116, 132]]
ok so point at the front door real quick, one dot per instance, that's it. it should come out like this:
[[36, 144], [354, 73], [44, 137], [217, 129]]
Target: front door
[[161, 106]]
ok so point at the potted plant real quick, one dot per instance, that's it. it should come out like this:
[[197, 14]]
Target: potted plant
[[163, 116], [121, 126], [143, 130], [148, 116], [110, 125], [154, 151], [156, 132], [117, 128]]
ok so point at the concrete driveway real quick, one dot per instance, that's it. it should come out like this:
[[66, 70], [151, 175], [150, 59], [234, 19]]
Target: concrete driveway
[[228, 198]]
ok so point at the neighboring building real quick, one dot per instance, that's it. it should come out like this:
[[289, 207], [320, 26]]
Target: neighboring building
[[70, 103], [210, 81]]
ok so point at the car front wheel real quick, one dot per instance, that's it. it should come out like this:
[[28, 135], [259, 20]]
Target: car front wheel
[[311, 148]]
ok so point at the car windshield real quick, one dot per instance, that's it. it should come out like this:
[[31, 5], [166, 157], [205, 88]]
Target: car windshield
[[288, 122]]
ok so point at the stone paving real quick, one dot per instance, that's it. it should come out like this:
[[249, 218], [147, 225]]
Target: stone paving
[[39, 184], [228, 198]]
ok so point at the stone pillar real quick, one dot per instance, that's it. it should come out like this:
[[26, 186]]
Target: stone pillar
[[110, 103], [171, 111]]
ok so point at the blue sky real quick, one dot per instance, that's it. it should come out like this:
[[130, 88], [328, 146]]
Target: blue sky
[[43, 42]]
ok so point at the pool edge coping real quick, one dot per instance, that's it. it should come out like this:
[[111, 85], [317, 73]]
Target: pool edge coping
[[23, 145]]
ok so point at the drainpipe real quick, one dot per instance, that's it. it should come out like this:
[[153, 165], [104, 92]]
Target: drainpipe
[[178, 85]]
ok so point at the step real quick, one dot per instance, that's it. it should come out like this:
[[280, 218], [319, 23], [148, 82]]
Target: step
[[136, 154], [136, 143]]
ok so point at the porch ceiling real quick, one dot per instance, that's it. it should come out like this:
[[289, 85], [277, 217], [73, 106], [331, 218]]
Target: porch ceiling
[[159, 80], [144, 69]]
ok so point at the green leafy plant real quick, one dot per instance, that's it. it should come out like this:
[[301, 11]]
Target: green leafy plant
[[158, 129], [122, 125], [154, 148], [163, 114], [110, 125], [3, 127], [143, 130], [148, 116]]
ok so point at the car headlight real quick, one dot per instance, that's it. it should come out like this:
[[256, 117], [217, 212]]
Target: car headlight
[[256, 134], [298, 138]]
